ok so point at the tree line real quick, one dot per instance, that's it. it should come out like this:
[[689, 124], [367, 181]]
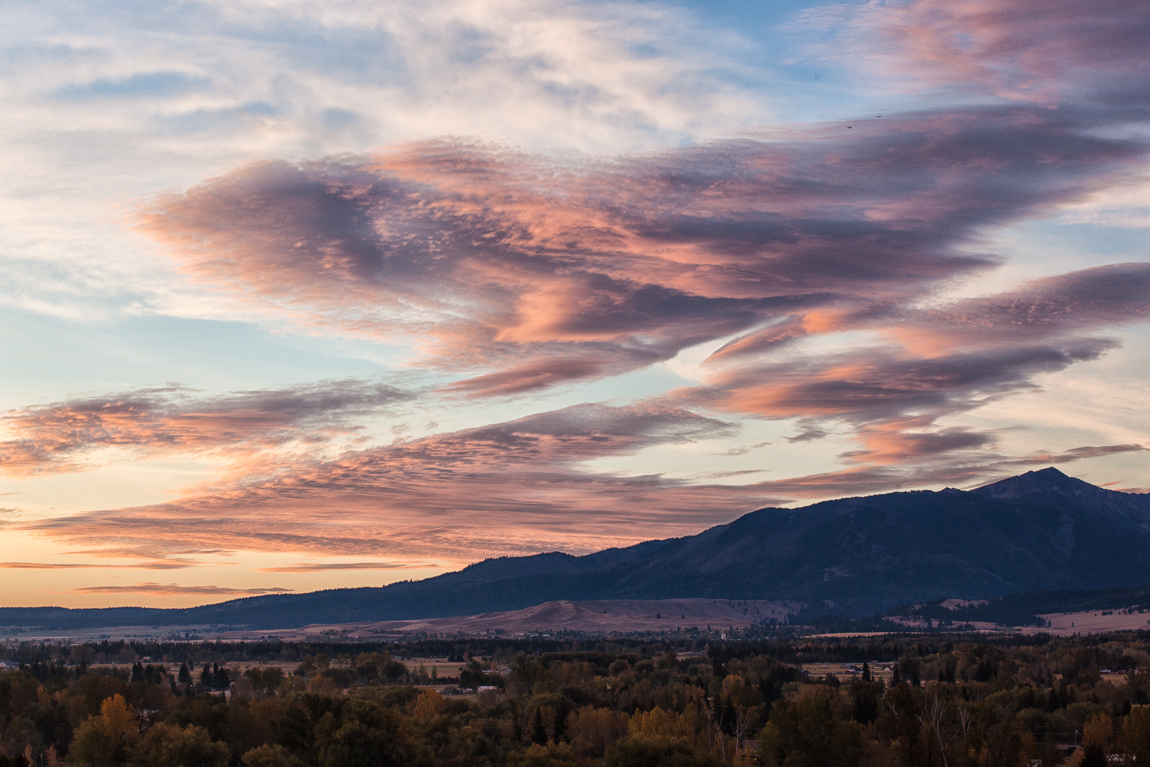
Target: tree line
[[906, 702]]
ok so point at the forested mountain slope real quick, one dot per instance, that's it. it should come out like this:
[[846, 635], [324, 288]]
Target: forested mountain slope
[[853, 556]]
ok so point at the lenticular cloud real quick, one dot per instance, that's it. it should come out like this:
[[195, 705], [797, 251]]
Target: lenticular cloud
[[812, 261], [527, 274]]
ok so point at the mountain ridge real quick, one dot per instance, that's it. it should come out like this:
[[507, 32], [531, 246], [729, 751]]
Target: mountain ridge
[[855, 556]]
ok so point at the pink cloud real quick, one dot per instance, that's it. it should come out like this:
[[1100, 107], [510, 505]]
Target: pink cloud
[[1040, 50], [876, 383], [515, 488], [524, 275], [938, 362], [320, 567], [955, 464], [532, 376], [508, 488], [510, 273], [162, 565], [174, 589], [53, 438], [1078, 302]]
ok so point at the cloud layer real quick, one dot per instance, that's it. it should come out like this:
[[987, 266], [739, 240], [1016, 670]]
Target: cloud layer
[[175, 589], [530, 275], [1054, 52], [802, 273], [533, 274], [506, 488], [513, 488], [54, 438]]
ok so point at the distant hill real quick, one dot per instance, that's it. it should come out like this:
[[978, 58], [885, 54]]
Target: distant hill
[[596, 616], [1040, 531], [1027, 608]]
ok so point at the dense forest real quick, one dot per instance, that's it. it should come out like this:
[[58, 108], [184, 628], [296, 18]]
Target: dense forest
[[897, 701]]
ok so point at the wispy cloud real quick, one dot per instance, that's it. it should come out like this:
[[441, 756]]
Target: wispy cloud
[[879, 384], [162, 565], [53, 438], [520, 487], [174, 589], [509, 488], [929, 364], [961, 468], [148, 85], [1052, 52], [815, 259], [818, 253], [320, 567], [534, 275]]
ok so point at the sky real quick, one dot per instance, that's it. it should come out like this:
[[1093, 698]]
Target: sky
[[304, 295]]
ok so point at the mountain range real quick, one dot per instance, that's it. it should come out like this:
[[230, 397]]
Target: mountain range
[[1040, 531]]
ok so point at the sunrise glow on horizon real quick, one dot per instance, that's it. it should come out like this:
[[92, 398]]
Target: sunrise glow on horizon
[[313, 295]]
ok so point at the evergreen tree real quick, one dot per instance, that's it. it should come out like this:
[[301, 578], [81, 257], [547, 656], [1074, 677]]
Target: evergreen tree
[[538, 731]]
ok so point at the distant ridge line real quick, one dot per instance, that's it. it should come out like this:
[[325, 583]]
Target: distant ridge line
[[861, 556]]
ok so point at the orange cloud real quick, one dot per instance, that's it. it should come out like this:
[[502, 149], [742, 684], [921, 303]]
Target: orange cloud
[[506, 488], [73, 566], [514, 488], [174, 589], [892, 398], [320, 567], [876, 383], [1054, 307], [509, 273]]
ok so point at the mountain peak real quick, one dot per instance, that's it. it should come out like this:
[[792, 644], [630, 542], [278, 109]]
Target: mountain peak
[[1048, 480]]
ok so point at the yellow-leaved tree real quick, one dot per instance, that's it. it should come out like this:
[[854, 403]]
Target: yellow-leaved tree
[[105, 740]]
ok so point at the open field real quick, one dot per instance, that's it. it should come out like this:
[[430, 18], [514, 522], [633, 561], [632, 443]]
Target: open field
[[111, 633], [1061, 624], [623, 616], [604, 616], [442, 666], [845, 672], [1092, 622]]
